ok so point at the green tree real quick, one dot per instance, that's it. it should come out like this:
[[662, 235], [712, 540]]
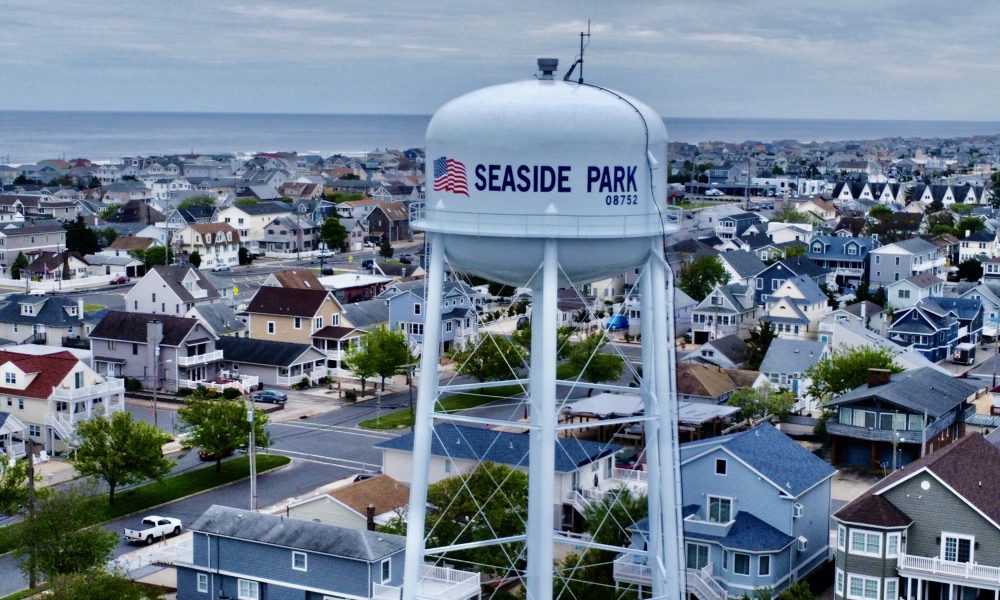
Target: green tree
[[961, 209], [790, 215], [994, 190], [14, 488], [798, 591], [523, 340], [495, 358], [106, 236], [120, 451], [845, 370], [18, 265], [586, 361], [220, 427], [967, 226], [197, 201], [98, 584], [880, 212], [794, 251], [245, 201], [81, 238], [360, 363], [387, 350], [757, 403], [831, 296], [245, 256], [333, 233], [776, 170], [157, 255], [758, 341], [700, 276], [970, 270], [385, 250], [194, 259], [56, 539]]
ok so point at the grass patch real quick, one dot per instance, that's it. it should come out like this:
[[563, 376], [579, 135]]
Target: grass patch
[[90, 308], [453, 403], [168, 490], [25, 593]]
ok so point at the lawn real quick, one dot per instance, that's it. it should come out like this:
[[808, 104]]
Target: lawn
[[93, 307], [457, 402], [23, 594], [170, 489]]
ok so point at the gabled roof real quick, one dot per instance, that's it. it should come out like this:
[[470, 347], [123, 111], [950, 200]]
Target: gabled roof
[[917, 391], [210, 232], [807, 286], [963, 308], [913, 245], [801, 265], [746, 264], [922, 281], [130, 242], [383, 491], [710, 381], [476, 443], [870, 509], [50, 311], [264, 208], [174, 275], [49, 370], [366, 313], [220, 317], [262, 352], [731, 346], [747, 533], [298, 279], [288, 302], [131, 327], [791, 356], [276, 530]]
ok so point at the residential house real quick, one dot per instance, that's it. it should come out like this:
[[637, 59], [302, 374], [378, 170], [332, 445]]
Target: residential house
[[171, 290], [100, 264], [389, 221], [773, 276], [127, 245], [846, 257], [348, 506], [981, 245], [459, 320], [272, 362], [294, 278], [735, 225], [251, 220], [249, 555], [335, 342], [865, 313], [218, 244], [928, 530], [968, 311], [905, 258], [796, 308], [989, 296], [819, 209], [755, 507], [45, 320], [709, 384], [786, 364], [933, 328], [728, 352], [183, 216], [844, 334], [290, 234], [725, 311], [220, 318], [30, 240], [68, 264], [52, 393], [742, 266], [291, 314], [911, 290], [910, 413]]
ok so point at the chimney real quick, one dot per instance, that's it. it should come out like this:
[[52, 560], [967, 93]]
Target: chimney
[[877, 377], [370, 515], [154, 333], [79, 306], [864, 312]]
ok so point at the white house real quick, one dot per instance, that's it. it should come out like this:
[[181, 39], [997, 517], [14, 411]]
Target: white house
[[796, 308], [218, 244]]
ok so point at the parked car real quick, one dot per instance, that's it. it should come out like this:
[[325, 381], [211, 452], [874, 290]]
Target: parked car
[[270, 396], [221, 268], [407, 259], [627, 459], [119, 280], [368, 263], [326, 271], [153, 528], [714, 192]]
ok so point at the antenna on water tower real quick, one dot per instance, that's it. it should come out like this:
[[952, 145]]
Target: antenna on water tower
[[579, 61]]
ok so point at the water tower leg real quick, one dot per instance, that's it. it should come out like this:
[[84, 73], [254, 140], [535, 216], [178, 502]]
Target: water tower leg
[[663, 352], [651, 408], [422, 428], [541, 453]]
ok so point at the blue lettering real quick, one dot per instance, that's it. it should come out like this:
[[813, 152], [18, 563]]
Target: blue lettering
[[606, 180], [508, 179], [593, 176], [564, 179], [524, 176], [630, 175], [547, 178], [480, 177], [494, 176], [619, 179]]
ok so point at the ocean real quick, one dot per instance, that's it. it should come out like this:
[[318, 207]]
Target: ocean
[[30, 136]]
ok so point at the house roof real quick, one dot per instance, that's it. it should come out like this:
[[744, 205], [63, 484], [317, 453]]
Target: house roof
[[914, 245], [209, 233], [746, 533], [710, 381], [802, 265], [276, 530], [366, 313], [871, 509], [298, 278], [871, 309], [130, 242], [220, 317], [746, 264], [50, 311], [173, 276], [791, 356], [476, 443], [922, 280], [262, 352], [289, 302], [331, 332], [970, 466], [731, 346], [963, 308], [49, 370], [264, 208], [917, 390], [131, 327], [383, 491], [50, 261], [807, 286]]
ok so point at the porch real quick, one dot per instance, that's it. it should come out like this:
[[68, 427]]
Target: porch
[[931, 578], [289, 376], [436, 583], [68, 406], [631, 569], [12, 434], [223, 381]]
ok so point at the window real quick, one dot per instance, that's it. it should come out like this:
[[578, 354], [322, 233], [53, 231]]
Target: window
[[34, 430], [448, 465], [318, 323], [720, 510], [897, 261], [270, 327], [764, 565], [299, 561], [135, 348], [10, 378], [20, 404], [447, 326], [867, 543], [203, 582], [840, 582], [876, 258], [247, 590], [78, 379], [890, 588], [904, 294], [416, 309], [335, 320], [741, 563], [891, 545], [154, 297], [956, 548], [862, 588], [386, 570], [720, 466], [841, 537], [697, 556], [298, 323]]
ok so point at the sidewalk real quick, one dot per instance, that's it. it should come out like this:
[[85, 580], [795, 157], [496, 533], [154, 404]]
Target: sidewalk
[[55, 471]]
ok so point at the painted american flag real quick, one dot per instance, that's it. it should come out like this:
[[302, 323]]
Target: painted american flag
[[449, 176]]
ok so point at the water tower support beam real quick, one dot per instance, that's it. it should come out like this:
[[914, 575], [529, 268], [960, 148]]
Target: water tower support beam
[[663, 352], [422, 429], [541, 452], [651, 428]]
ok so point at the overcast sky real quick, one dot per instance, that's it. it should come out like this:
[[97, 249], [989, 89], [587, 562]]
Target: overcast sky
[[896, 59]]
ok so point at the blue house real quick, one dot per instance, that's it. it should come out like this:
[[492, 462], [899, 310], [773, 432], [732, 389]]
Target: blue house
[[846, 257], [756, 509], [771, 278], [459, 323], [253, 556], [935, 325]]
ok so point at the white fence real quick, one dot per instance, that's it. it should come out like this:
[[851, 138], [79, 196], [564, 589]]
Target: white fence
[[56, 285]]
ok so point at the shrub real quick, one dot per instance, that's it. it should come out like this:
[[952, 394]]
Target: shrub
[[325, 380], [184, 392], [231, 393], [133, 385], [302, 384], [351, 396]]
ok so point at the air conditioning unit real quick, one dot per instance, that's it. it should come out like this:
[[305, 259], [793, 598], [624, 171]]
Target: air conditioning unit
[[802, 544], [797, 510]]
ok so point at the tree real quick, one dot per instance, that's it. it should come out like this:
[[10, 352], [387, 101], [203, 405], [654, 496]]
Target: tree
[[98, 584], [360, 363], [776, 170], [245, 256], [757, 403], [587, 362], [220, 427], [14, 488], [790, 215], [994, 190], [385, 250], [387, 351], [57, 538], [700, 276], [758, 341], [970, 270], [488, 502], [246, 201], [795, 251], [967, 226], [18, 265], [495, 358], [845, 370], [798, 591], [333, 233], [523, 340], [81, 238], [880, 212], [831, 296], [197, 201], [194, 259], [120, 451], [156, 255]]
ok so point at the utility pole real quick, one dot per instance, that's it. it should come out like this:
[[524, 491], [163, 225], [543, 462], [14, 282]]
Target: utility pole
[[253, 458], [32, 574]]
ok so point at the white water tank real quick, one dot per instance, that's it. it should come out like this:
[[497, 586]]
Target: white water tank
[[511, 165]]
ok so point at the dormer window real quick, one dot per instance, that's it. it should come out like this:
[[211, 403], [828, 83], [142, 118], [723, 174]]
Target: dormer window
[[852, 250], [10, 378], [817, 247], [27, 309]]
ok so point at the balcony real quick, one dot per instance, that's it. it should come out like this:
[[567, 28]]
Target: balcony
[[923, 566], [907, 436], [632, 568], [937, 263], [244, 383], [76, 342], [436, 583], [108, 388], [199, 359]]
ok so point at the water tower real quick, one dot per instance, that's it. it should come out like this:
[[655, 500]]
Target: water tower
[[547, 184]]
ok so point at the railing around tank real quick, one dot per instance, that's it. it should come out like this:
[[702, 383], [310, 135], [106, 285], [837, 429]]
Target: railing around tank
[[548, 225]]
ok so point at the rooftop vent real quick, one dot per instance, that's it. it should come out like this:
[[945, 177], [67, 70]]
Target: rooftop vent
[[548, 66]]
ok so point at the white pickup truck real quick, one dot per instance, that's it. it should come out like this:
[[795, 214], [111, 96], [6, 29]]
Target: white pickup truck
[[153, 528]]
